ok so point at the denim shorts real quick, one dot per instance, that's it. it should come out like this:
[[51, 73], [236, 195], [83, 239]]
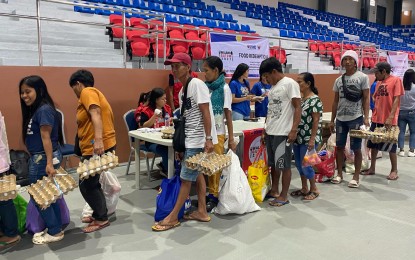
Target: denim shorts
[[385, 147], [37, 165], [343, 128], [186, 173]]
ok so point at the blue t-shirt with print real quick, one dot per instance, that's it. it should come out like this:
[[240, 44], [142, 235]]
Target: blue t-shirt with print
[[259, 89], [240, 90], [45, 115]]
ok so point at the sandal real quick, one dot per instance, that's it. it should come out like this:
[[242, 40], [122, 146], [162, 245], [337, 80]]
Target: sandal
[[46, 238], [298, 193], [392, 178], [88, 219], [278, 203], [311, 196], [192, 216], [6, 245], [366, 172], [92, 227], [159, 227], [336, 179], [353, 184]]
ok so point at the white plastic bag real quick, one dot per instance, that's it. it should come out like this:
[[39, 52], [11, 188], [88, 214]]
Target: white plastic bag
[[235, 195], [111, 188]]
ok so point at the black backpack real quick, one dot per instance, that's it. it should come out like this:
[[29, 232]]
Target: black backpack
[[20, 166]]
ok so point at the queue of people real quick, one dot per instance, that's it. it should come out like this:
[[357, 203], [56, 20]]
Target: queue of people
[[293, 112]]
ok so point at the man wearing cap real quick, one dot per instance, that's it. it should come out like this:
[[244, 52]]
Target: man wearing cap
[[350, 113], [200, 135], [387, 101]]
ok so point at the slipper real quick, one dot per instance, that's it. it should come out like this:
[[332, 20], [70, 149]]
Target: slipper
[[87, 219], [278, 203], [336, 179], [269, 196], [366, 173], [46, 238], [164, 227], [6, 245], [353, 184], [92, 227], [298, 193], [192, 217], [311, 196], [392, 178]]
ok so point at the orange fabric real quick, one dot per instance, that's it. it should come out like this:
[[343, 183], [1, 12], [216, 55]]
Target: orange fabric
[[92, 96], [385, 91]]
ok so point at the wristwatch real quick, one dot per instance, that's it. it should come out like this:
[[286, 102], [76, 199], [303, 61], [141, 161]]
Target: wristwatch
[[209, 137]]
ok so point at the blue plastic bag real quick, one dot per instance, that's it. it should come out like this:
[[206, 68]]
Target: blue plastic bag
[[168, 194]]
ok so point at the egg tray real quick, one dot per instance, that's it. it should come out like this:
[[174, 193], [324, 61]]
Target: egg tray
[[97, 164], [8, 187], [167, 133], [44, 192], [65, 181], [208, 163], [380, 135]]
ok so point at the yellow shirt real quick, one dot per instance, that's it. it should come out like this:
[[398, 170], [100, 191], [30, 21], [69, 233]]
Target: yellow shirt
[[92, 96]]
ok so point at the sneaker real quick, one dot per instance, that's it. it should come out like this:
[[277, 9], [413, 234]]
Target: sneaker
[[411, 154], [402, 154]]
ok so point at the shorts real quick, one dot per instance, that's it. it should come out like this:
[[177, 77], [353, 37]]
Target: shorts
[[386, 147], [343, 128], [279, 154], [186, 173]]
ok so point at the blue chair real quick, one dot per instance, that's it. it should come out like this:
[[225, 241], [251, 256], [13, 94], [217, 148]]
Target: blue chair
[[292, 34], [283, 33], [131, 124], [67, 150]]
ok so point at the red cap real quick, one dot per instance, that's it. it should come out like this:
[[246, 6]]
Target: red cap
[[179, 57]]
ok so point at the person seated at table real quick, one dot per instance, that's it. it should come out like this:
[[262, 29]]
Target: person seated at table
[[142, 103], [149, 118], [241, 98], [260, 90]]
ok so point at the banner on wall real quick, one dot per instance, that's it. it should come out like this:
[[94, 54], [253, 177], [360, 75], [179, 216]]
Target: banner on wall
[[236, 49], [252, 142], [398, 62]]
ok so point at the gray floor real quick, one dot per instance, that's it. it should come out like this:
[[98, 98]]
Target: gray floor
[[372, 222]]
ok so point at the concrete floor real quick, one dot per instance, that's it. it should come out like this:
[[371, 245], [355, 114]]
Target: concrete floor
[[372, 222]]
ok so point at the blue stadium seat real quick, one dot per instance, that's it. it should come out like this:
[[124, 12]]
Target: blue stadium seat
[[224, 25], [283, 33], [266, 23], [292, 34], [300, 35], [234, 26]]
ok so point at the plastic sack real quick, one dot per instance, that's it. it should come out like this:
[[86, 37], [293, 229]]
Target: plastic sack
[[167, 197], [21, 205], [235, 195], [320, 178], [258, 176], [34, 221], [327, 166], [331, 142], [311, 158], [365, 159]]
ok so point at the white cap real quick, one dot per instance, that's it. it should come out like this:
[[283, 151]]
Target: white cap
[[352, 54]]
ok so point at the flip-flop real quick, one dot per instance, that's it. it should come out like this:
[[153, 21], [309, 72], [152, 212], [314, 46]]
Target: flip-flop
[[192, 217], [353, 184], [6, 245], [164, 227], [92, 227], [269, 196], [392, 179], [87, 219], [366, 173], [298, 193], [313, 194], [336, 179], [278, 203]]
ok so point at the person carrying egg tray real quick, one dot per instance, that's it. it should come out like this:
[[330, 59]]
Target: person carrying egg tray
[[42, 135], [387, 98], [157, 114], [200, 135], [96, 134], [9, 233]]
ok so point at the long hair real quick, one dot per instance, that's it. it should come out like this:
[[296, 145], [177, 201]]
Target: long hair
[[214, 62], [239, 71], [408, 79], [308, 77], [42, 98], [153, 96], [143, 97]]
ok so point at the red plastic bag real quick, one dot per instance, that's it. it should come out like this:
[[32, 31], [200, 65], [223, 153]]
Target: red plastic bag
[[327, 166]]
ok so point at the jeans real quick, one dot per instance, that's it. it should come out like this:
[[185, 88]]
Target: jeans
[[37, 169], [343, 128], [406, 117], [160, 150], [299, 152], [238, 116], [92, 192], [8, 218]]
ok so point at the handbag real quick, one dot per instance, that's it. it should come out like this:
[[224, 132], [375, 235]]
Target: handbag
[[179, 136], [352, 94]]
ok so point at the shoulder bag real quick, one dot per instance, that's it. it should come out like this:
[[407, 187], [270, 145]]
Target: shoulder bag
[[179, 124]]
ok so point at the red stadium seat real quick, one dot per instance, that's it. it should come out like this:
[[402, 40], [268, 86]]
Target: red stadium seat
[[140, 48], [198, 51]]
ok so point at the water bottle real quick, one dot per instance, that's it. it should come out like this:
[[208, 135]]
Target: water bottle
[[167, 120]]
